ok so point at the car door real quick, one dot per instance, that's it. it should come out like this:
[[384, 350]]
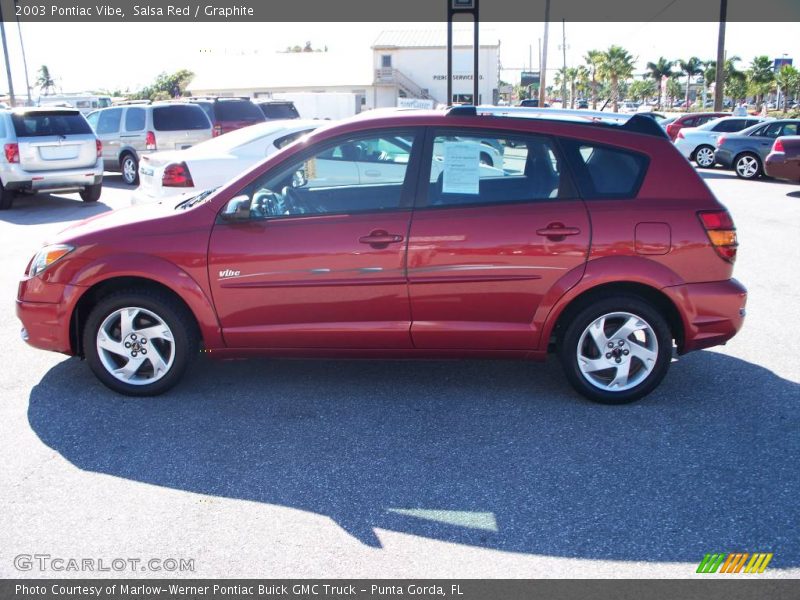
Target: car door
[[320, 262], [107, 130], [488, 243], [770, 133], [133, 135]]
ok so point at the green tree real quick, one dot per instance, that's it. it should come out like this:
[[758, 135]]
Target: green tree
[[690, 68], [787, 80], [166, 86], [581, 80], [45, 81], [642, 89], [760, 78], [593, 59], [659, 69], [674, 89], [616, 66]]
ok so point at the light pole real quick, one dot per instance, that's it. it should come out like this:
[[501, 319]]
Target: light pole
[[5, 53], [24, 59], [719, 86], [543, 69]]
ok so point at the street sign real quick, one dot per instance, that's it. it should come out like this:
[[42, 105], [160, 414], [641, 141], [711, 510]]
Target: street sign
[[529, 78]]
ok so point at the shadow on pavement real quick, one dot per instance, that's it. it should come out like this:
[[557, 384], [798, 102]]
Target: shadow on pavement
[[492, 454], [37, 209]]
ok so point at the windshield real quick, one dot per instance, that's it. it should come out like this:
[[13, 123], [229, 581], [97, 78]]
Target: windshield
[[279, 111], [237, 110]]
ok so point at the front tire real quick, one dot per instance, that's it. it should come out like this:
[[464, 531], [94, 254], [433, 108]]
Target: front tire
[[130, 169], [616, 350], [139, 343], [704, 157], [92, 193], [748, 166]]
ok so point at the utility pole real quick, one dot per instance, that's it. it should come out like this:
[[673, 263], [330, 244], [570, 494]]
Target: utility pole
[[543, 70], [8, 63], [719, 86], [24, 59], [564, 71]]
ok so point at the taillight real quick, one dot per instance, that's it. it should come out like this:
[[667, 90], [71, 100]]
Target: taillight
[[217, 131], [99, 145], [721, 232], [12, 153], [150, 141], [778, 146], [177, 175]]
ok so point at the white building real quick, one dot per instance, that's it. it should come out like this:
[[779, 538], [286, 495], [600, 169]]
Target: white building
[[403, 64]]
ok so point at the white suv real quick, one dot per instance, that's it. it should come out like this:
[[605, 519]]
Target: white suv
[[47, 150]]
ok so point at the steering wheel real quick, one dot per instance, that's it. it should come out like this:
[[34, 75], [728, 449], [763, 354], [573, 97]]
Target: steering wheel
[[266, 203], [293, 202]]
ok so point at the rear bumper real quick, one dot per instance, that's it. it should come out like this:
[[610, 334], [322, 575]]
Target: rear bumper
[[712, 312], [779, 167], [724, 158], [16, 178]]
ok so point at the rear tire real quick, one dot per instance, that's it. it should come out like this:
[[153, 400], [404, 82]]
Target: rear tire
[[704, 156], [139, 343], [129, 168], [748, 166], [616, 350], [92, 193], [6, 198]]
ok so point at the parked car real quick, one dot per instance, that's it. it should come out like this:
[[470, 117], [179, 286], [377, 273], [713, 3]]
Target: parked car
[[132, 131], [582, 104], [597, 242], [278, 109], [691, 120], [746, 151], [229, 114], [783, 162], [699, 143], [46, 150], [532, 103], [210, 164]]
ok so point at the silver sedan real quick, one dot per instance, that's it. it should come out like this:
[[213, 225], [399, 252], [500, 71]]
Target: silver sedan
[[699, 143]]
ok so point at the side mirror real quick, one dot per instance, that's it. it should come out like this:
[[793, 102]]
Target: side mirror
[[237, 209]]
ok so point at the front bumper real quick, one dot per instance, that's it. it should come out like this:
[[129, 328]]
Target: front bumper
[[724, 157], [712, 312], [46, 321]]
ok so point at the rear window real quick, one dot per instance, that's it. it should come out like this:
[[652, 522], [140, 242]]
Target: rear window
[[605, 172], [44, 123], [179, 117], [237, 110], [279, 111]]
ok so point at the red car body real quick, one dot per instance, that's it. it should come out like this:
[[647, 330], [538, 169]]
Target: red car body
[[783, 162], [469, 281], [692, 120]]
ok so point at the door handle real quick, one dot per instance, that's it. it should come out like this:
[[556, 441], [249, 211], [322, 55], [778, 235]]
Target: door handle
[[372, 173], [380, 238], [557, 231]]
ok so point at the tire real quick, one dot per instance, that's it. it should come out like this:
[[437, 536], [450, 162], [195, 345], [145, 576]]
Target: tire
[[748, 166], [644, 354], [704, 156], [129, 167], [6, 198], [145, 368], [92, 193]]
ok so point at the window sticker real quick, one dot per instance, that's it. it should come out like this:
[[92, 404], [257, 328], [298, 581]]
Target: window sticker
[[461, 168]]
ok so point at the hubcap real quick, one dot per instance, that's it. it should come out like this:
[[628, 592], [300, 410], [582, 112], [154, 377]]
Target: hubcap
[[135, 345], [617, 351], [747, 166], [129, 170], [705, 157]]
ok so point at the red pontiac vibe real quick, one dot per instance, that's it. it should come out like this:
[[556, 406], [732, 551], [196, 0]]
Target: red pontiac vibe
[[414, 234]]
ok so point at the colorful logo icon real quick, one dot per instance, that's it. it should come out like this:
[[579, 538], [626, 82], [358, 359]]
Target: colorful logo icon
[[734, 562]]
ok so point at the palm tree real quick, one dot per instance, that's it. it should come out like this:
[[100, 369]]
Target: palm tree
[[45, 81], [572, 77], [673, 88], [593, 58], [733, 79], [760, 78], [690, 68], [658, 70], [788, 78], [617, 64], [642, 89], [581, 80]]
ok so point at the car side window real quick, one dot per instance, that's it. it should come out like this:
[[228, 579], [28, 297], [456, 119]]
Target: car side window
[[289, 138], [692, 122], [730, 126], [789, 129], [134, 119], [109, 119], [91, 118], [759, 132], [486, 169], [604, 172], [336, 179]]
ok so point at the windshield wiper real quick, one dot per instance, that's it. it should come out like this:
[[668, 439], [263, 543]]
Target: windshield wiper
[[195, 200]]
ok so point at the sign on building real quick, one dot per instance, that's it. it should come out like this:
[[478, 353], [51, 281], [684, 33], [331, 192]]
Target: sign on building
[[529, 78], [423, 103]]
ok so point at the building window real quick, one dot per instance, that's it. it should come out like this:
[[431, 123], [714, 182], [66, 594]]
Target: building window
[[386, 61]]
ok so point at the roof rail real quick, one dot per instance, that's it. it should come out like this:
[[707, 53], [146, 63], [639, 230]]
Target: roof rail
[[638, 122]]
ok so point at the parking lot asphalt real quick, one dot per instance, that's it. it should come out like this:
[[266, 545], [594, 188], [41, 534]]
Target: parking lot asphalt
[[269, 468]]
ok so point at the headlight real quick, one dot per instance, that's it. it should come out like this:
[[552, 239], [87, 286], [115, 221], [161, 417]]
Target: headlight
[[47, 256]]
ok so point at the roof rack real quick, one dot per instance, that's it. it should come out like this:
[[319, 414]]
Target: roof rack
[[216, 98], [638, 122]]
